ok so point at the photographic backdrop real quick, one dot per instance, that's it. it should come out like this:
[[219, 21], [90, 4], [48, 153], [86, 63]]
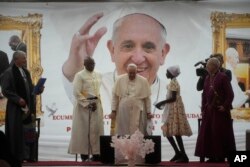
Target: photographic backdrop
[[189, 34]]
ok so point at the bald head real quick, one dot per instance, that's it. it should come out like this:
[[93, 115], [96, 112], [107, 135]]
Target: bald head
[[132, 70], [213, 65], [89, 64], [19, 58], [219, 56], [15, 38], [14, 41]]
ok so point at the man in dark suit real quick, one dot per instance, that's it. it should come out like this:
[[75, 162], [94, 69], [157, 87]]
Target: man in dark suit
[[20, 115], [16, 44]]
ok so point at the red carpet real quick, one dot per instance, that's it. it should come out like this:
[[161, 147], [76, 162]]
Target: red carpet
[[164, 163]]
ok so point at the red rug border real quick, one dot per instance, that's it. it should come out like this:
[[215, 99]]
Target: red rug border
[[163, 163]]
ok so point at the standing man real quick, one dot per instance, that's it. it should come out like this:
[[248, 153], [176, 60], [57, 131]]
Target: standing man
[[16, 44], [17, 87], [131, 104], [216, 138], [87, 124]]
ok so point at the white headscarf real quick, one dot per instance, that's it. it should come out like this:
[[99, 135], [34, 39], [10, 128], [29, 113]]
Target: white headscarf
[[174, 70]]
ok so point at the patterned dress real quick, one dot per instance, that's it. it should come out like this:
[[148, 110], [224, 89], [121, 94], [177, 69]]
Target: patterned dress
[[174, 116]]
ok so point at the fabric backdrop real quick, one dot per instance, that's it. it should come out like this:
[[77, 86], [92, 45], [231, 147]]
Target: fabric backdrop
[[188, 33]]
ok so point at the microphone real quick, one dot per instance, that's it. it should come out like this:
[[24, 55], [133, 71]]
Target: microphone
[[92, 98]]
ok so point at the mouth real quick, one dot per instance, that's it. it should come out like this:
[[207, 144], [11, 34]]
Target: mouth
[[141, 69]]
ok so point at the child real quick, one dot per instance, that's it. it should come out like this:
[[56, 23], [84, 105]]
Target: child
[[174, 117]]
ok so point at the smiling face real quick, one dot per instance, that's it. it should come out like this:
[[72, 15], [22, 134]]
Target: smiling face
[[138, 39]]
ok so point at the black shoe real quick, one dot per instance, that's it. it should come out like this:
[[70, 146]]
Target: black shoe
[[182, 159], [84, 157], [96, 157], [176, 156]]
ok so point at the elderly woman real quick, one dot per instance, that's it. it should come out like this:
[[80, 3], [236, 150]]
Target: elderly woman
[[174, 116], [216, 139]]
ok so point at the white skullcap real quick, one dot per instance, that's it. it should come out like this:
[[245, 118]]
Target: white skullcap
[[127, 10], [132, 65], [232, 52], [174, 70]]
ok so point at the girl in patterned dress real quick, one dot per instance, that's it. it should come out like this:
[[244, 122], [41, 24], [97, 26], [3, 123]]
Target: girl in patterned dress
[[174, 116]]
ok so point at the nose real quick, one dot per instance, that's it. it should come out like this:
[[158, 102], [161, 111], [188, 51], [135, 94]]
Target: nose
[[138, 56]]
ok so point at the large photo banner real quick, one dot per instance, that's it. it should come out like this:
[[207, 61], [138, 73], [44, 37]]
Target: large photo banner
[[191, 38]]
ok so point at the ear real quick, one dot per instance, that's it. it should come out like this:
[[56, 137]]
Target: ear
[[110, 47], [164, 53]]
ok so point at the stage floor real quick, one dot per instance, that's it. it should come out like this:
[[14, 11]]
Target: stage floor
[[98, 164]]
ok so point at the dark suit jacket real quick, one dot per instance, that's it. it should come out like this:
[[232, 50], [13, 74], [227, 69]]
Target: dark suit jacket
[[4, 63]]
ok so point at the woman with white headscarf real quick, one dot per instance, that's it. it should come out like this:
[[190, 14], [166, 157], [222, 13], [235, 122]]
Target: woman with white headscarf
[[174, 117]]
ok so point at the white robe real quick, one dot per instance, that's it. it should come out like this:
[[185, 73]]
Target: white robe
[[131, 101], [83, 142]]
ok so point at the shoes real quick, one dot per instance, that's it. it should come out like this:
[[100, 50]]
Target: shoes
[[182, 159], [84, 157], [176, 156], [96, 157]]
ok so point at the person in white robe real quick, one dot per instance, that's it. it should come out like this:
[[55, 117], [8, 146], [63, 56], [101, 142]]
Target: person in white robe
[[87, 123], [131, 103]]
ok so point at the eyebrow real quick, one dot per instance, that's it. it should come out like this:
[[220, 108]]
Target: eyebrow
[[127, 42], [149, 44]]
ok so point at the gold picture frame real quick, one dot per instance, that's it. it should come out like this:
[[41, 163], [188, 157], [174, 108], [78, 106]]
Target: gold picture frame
[[220, 23], [30, 27]]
